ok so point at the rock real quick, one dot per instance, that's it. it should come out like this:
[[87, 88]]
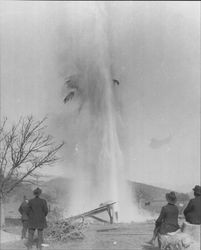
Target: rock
[[187, 238], [192, 230]]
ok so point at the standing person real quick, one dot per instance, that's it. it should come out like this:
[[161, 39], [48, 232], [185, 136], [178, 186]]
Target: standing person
[[168, 219], [23, 209], [37, 212], [192, 212]]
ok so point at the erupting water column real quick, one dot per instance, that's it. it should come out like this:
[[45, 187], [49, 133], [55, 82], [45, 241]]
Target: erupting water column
[[101, 178]]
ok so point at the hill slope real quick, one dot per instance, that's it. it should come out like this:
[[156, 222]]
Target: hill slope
[[57, 190]]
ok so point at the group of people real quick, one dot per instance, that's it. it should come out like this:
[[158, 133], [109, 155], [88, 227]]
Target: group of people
[[33, 215], [34, 212], [167, 221]]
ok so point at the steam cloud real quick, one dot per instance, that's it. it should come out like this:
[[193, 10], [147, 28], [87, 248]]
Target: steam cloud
[[99, 160]]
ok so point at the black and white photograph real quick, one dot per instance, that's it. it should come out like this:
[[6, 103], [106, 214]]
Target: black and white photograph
[[100, 125]]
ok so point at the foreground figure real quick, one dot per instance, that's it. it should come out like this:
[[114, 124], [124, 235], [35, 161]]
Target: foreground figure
[[167, 221], [192, 212], [37, 212], [186, 238]]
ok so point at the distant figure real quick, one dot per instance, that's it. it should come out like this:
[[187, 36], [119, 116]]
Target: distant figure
[[192, 211], [168, 219], [37, 212], [24, 218]]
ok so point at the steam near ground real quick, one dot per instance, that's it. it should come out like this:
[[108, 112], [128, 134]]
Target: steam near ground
[[109, 129]]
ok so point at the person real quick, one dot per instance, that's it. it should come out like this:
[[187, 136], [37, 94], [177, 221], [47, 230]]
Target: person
[[37, 212], [167, 221], [192, 211], [24, 218]]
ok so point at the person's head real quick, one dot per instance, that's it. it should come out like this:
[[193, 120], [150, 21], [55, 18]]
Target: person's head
[[37, 192], [171, 198], [197, 190]]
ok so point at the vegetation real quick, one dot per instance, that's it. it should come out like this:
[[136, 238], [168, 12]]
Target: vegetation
[[25, 147]]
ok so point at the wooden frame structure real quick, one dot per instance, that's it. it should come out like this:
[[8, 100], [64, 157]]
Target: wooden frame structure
[[92, 213]]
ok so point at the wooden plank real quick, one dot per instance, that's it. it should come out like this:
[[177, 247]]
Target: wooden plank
[[92, 212], [99, 219]]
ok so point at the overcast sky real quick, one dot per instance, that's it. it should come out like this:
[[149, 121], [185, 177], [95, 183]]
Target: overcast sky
[[156, 57]]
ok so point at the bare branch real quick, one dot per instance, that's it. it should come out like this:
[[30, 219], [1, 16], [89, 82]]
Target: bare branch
[[25, 146]]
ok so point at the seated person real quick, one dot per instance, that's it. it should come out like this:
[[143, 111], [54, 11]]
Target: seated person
[[192, 211], [168, 219]]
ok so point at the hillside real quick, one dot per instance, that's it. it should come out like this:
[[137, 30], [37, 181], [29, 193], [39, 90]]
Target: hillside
[[57, 190], [153, 198]]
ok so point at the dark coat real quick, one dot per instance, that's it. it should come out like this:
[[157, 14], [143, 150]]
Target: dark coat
[[192, 211], [23, 209], [168, 219], [37, 212]]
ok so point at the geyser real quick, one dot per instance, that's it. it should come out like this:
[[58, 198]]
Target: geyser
[[100, 173]]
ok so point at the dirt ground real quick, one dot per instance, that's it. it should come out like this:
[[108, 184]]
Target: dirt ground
[[100, 237]]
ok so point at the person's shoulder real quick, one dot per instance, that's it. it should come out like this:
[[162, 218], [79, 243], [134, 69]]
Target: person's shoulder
[[176, 207], [193, 199], [197, 198], [165, 207], [43, 200], [170, 206], [30, 201]]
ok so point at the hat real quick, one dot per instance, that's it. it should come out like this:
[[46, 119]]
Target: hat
[[171, 198], [197, 190], [37, 191]]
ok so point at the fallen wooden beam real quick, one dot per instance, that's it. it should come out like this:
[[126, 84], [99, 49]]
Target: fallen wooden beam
[[99, 219], [91, 213]]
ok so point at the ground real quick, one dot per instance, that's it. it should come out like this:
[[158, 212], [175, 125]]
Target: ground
[[100, 237]]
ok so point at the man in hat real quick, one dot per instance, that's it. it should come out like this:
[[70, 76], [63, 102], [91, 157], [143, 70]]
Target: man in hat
[[23, 211], [167, 221], [192, 211], [37, 212]]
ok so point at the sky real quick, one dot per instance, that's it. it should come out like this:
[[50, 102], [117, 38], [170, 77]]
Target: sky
[[155, 54]]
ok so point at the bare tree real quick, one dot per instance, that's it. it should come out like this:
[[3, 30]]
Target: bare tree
[[24, 148]]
